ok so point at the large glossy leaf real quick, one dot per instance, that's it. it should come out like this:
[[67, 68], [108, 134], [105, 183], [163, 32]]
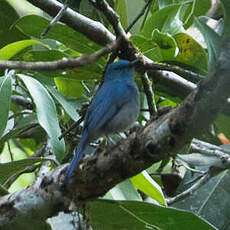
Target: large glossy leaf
[[10, 50], [196, 8], [5, 94], [148, 47], [50, 85], [191, 54], [69, 108], [46, 113], [211, 201], [165, 20], [146, 184], [123, 191], [33, 25], [104, 215], [166, 43]]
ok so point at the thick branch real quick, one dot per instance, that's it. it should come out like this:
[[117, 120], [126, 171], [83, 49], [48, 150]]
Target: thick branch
[[98, 173], [93, 30]]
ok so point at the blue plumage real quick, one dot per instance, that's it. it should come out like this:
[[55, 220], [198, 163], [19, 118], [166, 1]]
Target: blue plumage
[[113, 109]]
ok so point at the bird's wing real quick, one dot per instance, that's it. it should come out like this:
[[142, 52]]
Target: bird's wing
[[105, 105]]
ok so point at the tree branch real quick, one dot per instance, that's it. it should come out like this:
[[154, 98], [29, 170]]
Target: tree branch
[[96, 32], [93, 30], [60, 64], [150, 144]]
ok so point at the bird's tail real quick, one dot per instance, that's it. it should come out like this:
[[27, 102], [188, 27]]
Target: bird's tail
[[77, 157]]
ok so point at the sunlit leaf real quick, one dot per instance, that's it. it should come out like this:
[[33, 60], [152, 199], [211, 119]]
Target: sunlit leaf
[[69, 87], [146, 184], [10, 50], [123, 191]]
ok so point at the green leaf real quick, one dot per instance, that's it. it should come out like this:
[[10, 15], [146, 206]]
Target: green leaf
[[69, 108], [69, 87], [191, 53], [8, 34], [12, 49], [33, 26], [226, 8], [5, 99], [121, 9], [198, 159], [87, 72], [123, 191], [46, 113], [197, 8], [44, 55], [11, 168], [148, 47], [166, 43], [112, 215], [23, 123], [146, 184], [49, 83], [165, 3], [3, 191], [165, 20], [212, 39], [23, 7]]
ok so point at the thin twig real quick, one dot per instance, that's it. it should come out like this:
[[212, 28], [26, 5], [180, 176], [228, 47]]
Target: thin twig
[[138, 16], [189, 191], [60, 64], [10, 152], [208, 149], [55, 19], [76, 124], [149, 94], [189, 75], [111, 16]]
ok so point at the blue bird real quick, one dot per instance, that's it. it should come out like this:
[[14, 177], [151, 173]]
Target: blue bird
[[113, 109]]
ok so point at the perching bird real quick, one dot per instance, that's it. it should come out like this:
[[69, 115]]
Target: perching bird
[[113, 109]]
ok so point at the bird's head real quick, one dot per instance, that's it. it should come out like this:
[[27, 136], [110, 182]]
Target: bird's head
[[120, 69]]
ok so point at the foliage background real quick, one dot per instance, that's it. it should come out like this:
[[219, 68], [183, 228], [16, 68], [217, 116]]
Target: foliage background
[[38, 106]]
